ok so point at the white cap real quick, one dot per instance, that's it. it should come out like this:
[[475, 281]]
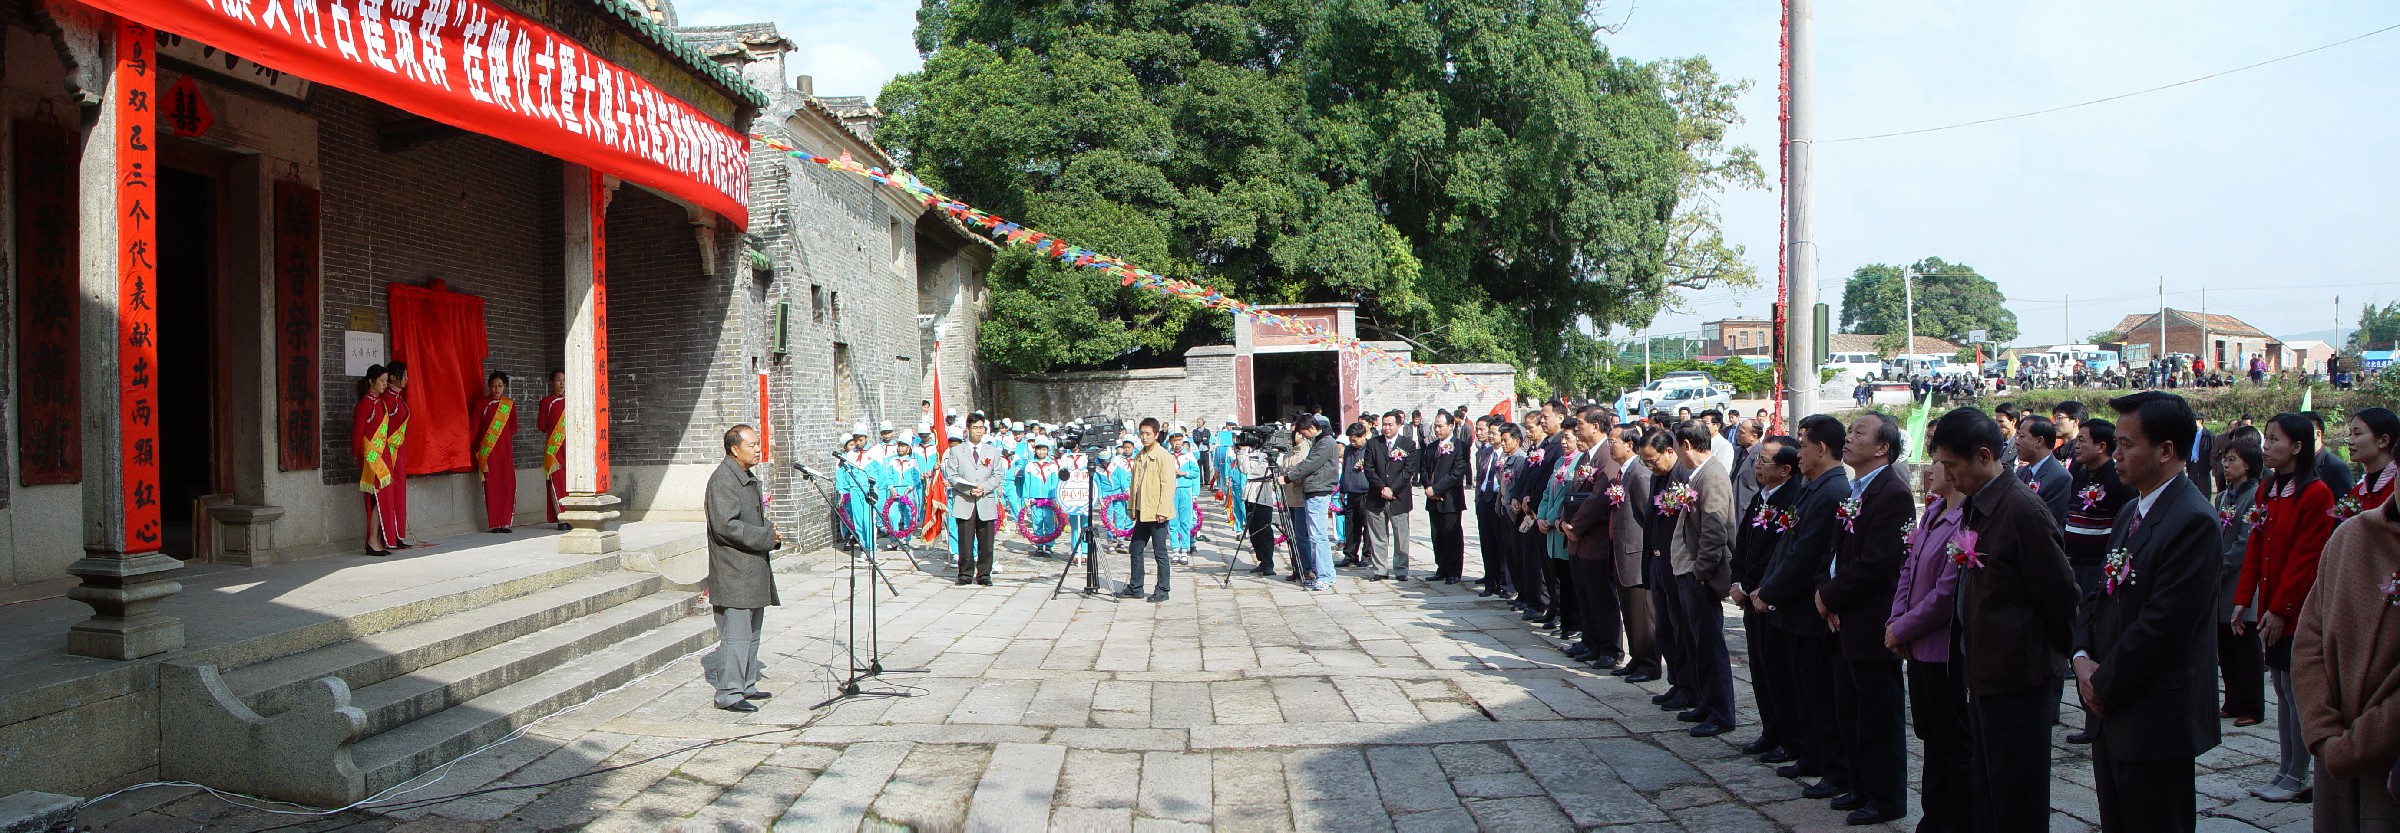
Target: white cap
[[1176, 431], [1041, 442], [887, 426], [1230, 421], [950, 412], [858, 429]]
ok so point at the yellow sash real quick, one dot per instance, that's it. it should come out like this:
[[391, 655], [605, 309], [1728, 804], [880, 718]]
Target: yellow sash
[[491, 433], [551, 446], [373, 473]]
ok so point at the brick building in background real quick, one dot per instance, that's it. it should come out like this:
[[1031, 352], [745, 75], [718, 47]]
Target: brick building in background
[[860, 280], [2223, 341], [1739, 336]]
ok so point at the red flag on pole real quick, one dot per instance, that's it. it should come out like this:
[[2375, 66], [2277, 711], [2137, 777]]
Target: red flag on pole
[[937, 490], [1507, 409]]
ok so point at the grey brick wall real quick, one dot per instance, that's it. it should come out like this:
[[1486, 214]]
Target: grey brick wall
[[478, 213], [678, 370], [1202, 390]]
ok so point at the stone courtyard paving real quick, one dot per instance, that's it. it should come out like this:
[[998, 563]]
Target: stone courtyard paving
[[1246, 704]]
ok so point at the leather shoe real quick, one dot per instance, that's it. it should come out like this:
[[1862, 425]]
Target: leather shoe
[[1157, 597], [1624, 671], [2080, 736], [1778, 755], [1661, 699], [1531, 614], [984, 582], [1578, 651], [1798, 771], [1641, 677], [1487, 592], [1710, 730], [1608, 664], [740, 706], [759, 695], [1129, 593], [1757, 746], [1692, 716], [962, 581], [1864, 816], [1375, 577], [1823, 789], [1847, 801]]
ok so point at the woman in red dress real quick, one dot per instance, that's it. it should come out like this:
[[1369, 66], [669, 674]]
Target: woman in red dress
[[495, 453], [2296, 512], [552, 422], [395, 402], [370, 442]]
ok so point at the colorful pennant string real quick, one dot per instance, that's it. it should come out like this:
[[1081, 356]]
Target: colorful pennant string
[[1127, 274]]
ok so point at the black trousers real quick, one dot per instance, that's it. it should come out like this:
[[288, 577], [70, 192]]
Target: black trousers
[[1596, 596], [1259, 526], [1666, 620], [2143, 796], [2243, 663], [1561, 586], [1938, 702], [1710, 680], [1641, 637], [2009, 737], [1770, 687], [1867, 700], [1525, 566], [1487, 536], [1449, 545], [974, 547], [1811, 669], [1154, 536], [1354, 524]]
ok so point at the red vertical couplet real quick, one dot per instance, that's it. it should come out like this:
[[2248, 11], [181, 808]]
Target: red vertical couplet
[[599, 334], [49, 306], [765, 448], [296, 321], [137, 272], [1346, 364], [1245, 403]]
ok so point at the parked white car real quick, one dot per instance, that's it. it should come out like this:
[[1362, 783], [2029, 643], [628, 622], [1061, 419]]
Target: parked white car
[[1675, 392], [1860, 365]]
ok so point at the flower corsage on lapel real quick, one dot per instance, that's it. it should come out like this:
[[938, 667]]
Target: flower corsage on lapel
[[2117, 571], [2344, 509], [1616, 494], [2257, 515], [2091, 496], [2225, 519], [1676, 499], [2391, 589], [1962, 549], [1848, 513], [1772, 519], [1908, 533]]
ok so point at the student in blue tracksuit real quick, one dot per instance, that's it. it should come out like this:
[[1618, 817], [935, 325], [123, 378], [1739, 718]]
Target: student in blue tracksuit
[[1116, 478], [1073, 467], [1036, 479], [1187, 495], [851, 482], [896, 473]]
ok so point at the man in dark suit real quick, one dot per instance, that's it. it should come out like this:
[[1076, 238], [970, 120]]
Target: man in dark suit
[[1701, 551], [1764, 520], [2042, 471], [1628, 492], [2144, 658], [1744, 435], [1443, 469], [2016, 613], [1787, 594], [740, 584], [1591, 552], [2335, 471], [2201, 464], [1391, 465], [1528, 570], [2068, 418], [1857, 591], [1490, 504], [1657, 453]]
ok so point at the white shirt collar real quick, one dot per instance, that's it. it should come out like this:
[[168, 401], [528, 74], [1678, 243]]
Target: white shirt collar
[[1768, 493], [2141, 508]]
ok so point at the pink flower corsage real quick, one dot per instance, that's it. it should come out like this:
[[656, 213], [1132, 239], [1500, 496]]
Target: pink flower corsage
[[1848, 513], [2091, 496], [2225, 518], [1962, 549], [1616, 495], [2257, 515], [2344, 509], [2118, 570], [2391, 589]]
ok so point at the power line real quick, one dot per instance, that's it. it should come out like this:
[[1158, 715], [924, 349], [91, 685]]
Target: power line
[[2113, 97]]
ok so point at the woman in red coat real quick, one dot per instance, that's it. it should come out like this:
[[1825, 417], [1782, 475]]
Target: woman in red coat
[[495, 454], [370, 442], [2296, 515], [552, 422], [2374, 436]]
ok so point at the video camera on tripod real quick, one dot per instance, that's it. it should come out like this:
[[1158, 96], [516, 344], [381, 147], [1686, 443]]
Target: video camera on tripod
[[1091, 434], [1275, 438]]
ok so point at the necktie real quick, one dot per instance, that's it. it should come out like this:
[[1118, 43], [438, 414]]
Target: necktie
[[2134, 527]]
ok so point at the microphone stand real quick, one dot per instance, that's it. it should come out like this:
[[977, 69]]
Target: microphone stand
[[874, 666]]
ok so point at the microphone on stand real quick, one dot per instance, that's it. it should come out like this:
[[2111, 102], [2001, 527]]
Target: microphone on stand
[[810, 473]]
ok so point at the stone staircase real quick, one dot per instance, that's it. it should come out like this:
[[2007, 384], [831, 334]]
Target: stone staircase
[[408, 688]]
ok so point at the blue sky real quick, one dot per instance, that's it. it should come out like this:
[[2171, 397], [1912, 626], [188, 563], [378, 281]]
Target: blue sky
[[2269, 189]]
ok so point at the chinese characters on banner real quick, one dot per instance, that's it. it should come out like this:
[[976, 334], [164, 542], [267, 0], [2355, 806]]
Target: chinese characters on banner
[[296, 311], [49, 308], [599, 333], [137, 272], [480, 66]]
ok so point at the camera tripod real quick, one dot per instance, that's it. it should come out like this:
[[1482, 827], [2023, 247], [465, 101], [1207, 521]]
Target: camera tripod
[[1087, 546]]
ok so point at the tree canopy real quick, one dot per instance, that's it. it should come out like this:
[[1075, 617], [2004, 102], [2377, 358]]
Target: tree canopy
[[1477, 176], [2378, 328], [1951, 299]]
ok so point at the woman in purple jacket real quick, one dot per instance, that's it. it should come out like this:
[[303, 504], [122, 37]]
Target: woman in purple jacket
[[1919, 631]]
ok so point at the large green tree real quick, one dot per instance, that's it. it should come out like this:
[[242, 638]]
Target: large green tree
[[1478, 176], [1951, 299], [2378, 328]]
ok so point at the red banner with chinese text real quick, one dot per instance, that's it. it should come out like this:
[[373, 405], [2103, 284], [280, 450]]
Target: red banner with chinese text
[[135, 84], [49, 305], [478, 65], [297, 242], [600, 416]]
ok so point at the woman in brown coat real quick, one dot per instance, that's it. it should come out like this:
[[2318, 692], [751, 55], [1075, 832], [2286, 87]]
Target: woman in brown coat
[[2346, 674]]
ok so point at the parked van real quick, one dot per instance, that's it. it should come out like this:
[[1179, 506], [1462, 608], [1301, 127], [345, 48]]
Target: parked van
[[1860, 365]]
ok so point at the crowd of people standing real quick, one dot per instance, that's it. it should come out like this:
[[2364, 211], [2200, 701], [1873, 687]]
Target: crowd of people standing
[[379, 443]]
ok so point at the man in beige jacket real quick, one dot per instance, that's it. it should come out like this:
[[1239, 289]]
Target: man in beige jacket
[[1151, 500]]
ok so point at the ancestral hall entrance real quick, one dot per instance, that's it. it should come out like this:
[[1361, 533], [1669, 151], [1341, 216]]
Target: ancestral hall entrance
[[190, 372]]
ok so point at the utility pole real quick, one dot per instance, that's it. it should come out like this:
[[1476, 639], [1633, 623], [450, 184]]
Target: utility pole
[[1800, 227], [2162, 330], [2066, 320], [2337, 323], [1908, 303]]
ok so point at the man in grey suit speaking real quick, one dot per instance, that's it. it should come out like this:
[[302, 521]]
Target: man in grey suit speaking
[[740, 583], [974, 469]]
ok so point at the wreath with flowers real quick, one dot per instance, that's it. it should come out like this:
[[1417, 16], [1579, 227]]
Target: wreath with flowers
[[899, 516], [1116, 516], [1041, 521]]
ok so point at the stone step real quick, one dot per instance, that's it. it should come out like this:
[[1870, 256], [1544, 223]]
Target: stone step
[[431, 689], [273, 686], [395, 756]]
